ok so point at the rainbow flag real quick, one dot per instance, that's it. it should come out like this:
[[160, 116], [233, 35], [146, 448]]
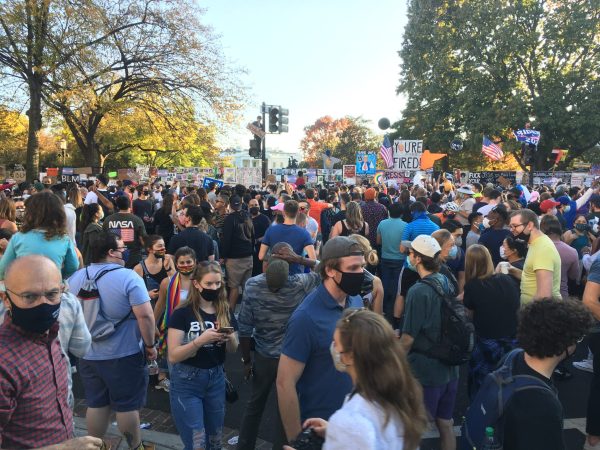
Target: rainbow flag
[[379, 177], [173, 291]]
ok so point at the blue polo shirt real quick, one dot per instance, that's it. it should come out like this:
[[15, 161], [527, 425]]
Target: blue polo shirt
[[321, 388]]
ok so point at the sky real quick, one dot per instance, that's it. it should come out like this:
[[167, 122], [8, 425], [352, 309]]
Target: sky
[[313, 57]]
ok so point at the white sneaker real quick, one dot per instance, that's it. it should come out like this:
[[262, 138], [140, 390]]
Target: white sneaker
[[586, 365], [164, 384]]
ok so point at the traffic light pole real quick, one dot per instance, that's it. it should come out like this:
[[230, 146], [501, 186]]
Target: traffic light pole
[[263, 153]]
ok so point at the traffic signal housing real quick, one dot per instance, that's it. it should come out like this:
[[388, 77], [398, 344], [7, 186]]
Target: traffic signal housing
[[278, 119], [254, 148]]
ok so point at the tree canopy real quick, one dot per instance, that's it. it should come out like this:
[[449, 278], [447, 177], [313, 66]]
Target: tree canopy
[[474, 67], [344, 137]]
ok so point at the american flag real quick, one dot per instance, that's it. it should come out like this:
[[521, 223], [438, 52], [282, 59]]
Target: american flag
[[126, 234], [491, 150], [386, 152]]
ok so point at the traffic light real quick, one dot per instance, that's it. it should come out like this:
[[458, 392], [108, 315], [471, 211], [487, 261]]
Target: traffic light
[[274, 119], [283, 120], [254, 148], [278, 119]]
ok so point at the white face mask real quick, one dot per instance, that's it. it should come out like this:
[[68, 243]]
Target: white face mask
[[502, 252], [458, 241], [337, 359], [486, 222]]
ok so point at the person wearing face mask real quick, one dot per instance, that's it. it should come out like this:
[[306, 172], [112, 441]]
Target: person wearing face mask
[[172, 291], [514, 251], [384, 411], [143, 207], [261, 224], [494, 231], [91, 216], [307, 383], [157, 266], [455, 260], [540, 277], [421, 328], [114, 371], [449, 252], [449, 212], [476, 221], [129, 227], [201, 331], [580, 236], [192, 236], [35, 413]]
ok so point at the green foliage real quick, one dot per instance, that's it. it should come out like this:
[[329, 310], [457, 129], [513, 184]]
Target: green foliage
[[474, 67]]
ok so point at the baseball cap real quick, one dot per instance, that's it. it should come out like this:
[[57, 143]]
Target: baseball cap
[[38, 186], [547, 205], [370, 194], [424, 244], [277, 273], [277, 207], [235, 201], [340, 247], [465, 190], [563, 200]]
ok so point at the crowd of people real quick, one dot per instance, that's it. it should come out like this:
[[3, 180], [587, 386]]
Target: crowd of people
[[344, 300]]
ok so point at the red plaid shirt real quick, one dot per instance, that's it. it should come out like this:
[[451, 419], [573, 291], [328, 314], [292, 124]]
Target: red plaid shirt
[[33, 389]]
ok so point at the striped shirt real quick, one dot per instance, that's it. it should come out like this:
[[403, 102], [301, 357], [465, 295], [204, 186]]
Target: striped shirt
[[420, 225], [33, 389]]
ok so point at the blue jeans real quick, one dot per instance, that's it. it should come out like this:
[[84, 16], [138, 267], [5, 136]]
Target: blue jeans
[[198, 405], [390, 273]]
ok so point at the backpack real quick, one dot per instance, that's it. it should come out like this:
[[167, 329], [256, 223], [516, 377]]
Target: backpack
[[489, 404], [457, 333], [89, 296]]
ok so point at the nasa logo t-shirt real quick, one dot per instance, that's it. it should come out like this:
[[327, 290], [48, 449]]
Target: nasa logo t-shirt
[[210, 355]]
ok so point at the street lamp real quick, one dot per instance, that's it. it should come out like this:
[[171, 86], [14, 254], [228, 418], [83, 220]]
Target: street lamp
[[63, 150]]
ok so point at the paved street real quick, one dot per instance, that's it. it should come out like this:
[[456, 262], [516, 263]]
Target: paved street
[[573, 395]]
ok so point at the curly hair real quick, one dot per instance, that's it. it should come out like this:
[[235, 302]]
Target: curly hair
[[547, 327]]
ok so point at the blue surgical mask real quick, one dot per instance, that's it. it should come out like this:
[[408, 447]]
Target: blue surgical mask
[[409, 265], [453, 252], [481, 227]]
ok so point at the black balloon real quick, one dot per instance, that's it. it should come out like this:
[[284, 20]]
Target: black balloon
[[456, 145], [384, 123]]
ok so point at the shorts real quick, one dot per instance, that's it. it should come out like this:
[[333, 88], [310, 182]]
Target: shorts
[[120, 383], [439, 400], [238, 271]]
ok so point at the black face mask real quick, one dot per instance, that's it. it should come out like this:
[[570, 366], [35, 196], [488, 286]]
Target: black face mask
[[210, 295], [351, 282], [254, 210], [581, 226], [523, 237], [38, 319]]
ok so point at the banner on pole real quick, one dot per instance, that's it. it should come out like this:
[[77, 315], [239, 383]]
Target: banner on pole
[[366, 163]]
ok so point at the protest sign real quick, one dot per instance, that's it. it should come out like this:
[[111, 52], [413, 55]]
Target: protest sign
[[398, 176], [550, 177], [349, 174], [407, 154], [70, 178], [208, 180], [330, 175], [229, 175], [492, 176], [249, 176], [366, 163], [86, 170], [528, 136]]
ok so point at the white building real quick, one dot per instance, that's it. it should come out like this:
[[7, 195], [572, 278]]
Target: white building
[[277, 158]]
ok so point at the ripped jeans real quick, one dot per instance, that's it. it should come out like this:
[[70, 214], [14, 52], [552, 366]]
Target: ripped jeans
[[198, 405]]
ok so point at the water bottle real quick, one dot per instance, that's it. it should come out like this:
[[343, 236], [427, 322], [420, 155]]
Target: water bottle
[[152, 368], [490, 442]]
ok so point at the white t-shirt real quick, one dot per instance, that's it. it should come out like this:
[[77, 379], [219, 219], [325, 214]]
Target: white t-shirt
[[359, 424], [467, 207]]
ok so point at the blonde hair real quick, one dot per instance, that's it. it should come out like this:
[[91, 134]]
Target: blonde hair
[[478, 263], [370, 255], [194, 295], [354, 216], [392, 386]]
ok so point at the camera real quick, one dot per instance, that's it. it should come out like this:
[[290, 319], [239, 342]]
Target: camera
[[308, 440]]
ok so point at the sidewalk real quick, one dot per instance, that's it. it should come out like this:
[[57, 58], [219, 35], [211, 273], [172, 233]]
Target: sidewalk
[[162, 433]]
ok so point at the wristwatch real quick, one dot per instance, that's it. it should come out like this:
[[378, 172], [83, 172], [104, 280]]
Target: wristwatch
[[246, 362], [149, 346]]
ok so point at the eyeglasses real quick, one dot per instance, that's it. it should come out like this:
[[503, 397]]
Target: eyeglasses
[[514, 227], [352, 314], [32, 297], [580, 340]]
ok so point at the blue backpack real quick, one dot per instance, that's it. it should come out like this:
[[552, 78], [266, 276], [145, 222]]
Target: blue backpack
[[487, 409]]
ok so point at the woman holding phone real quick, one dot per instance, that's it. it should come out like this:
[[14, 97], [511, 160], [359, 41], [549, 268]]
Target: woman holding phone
[[201, 331]]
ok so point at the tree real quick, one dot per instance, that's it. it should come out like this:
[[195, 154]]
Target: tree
[[13, 136], [475, 67], [166, 63], [344, 137]]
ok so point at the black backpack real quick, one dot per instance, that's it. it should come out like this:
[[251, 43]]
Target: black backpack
[[457, 334]]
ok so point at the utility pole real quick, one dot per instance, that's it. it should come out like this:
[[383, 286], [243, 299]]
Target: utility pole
[[263, 155]]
